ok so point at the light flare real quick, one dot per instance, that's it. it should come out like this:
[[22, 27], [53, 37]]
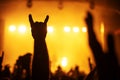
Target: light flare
[[12, 28], [50, 29], [22, 29], [67, 29], [84, 29], [76, 29], [64, 62]]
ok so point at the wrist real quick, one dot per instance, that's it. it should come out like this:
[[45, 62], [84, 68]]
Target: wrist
[[39, 40]]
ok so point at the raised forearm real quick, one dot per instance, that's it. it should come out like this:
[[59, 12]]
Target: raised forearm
[[94, 44], [96, 49], [40, 64], [40, 60], [40, 47]]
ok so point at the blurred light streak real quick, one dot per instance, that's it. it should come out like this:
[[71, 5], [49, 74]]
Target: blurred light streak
[[102, 27]]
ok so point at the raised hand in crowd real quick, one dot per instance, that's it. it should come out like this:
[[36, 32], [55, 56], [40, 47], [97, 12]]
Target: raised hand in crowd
[[106, 69], [40, 64], [1, 60]]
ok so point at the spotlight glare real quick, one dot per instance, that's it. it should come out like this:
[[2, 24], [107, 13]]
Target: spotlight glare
[[12, 28], [64, 62], [84, 29], [76, 29], [22, 28], [50, 29], [67, 29]]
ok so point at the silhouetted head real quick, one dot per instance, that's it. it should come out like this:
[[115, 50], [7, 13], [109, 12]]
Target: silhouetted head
[[59, 68], [7, 67], [89, 20], [77, 68]]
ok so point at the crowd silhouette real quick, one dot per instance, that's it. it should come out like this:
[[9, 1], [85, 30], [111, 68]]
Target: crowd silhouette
[[106, 68]]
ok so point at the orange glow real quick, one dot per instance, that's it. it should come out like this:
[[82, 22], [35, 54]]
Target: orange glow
[[12, 28], [84, 29], [74, 47], [50, 29], [102, 27], [22, 28], [102, 35], [67, 29], [76, 29], [64, 62]]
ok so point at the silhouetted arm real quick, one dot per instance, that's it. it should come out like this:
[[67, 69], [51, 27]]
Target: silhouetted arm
[[1, 60], [90, 76], [40, 65], [94, 44], [112, 60], [96, 49]]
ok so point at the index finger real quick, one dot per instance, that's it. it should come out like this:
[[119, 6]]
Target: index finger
[[31, 20], [46, 19]]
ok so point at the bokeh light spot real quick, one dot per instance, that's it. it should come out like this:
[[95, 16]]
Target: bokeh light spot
[[22, 28], [12, 28], [76, 29], [67, 29], [84, 29], [50, 29], [64, 62]]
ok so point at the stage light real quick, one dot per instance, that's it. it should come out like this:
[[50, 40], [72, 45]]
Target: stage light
[[12, 28], [67, 29], [64, 62], [50, 29], [84, 29], [76, 29], [22, 28]]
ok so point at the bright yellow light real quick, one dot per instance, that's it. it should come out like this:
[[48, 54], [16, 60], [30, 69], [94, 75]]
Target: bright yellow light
[[22, 28], [64, 62], [76, 29], [84, 29], [67, 29], [50, 29], [102, 28], [12, 28]]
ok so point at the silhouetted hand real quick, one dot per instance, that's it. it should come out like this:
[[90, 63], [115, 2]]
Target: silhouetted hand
[[1, 58], [106, 63], [95, 47], [39, 29], [40, 63], [89, 20], [90, 76]]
